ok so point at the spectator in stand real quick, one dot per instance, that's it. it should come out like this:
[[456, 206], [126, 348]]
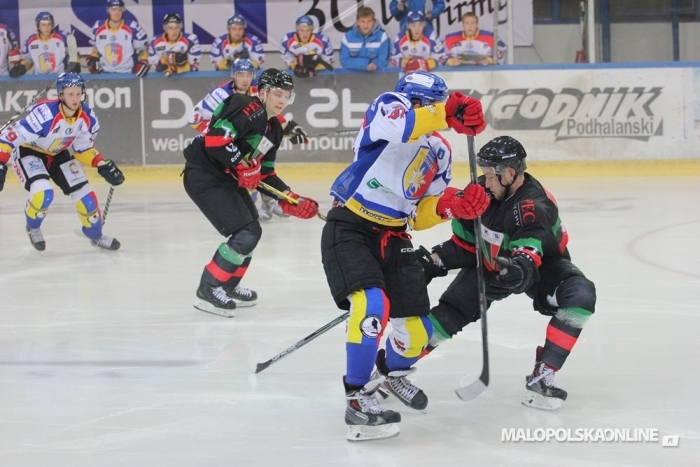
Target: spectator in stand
[[366, 46], [472, 46], [9, 50], [413, 50], [175, 51], [306, 52], [400, 9], [45, 52], [236, 44]]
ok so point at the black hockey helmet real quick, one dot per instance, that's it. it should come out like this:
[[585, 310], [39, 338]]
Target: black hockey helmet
[[172, 18], [503, 151], [274, 78]]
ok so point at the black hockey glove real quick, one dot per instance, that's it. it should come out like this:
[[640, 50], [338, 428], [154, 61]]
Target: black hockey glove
[[73, 67], [430, 269], [110, 172], [243, 53], [297, 134], [18, 70], [516, 274], [3, 174]]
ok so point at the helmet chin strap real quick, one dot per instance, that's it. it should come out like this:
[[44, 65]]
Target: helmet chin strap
[[507, 187]]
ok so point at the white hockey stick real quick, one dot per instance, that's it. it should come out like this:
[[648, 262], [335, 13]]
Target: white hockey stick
[[472, 390]]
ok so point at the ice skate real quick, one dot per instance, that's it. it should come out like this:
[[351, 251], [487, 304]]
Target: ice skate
[[541, 392], [365, 418], [215, 300], [243, 296], [397, 383], [108, 243], [263, 214], [36, 237]]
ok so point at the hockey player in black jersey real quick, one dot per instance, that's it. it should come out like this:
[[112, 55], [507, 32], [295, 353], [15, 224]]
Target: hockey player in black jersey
[[235, 153], [525, 251]]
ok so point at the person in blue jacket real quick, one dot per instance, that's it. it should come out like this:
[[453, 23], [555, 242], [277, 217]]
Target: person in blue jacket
[[400, 8], [365, 47]]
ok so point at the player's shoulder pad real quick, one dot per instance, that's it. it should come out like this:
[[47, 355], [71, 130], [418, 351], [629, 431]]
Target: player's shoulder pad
[[41, 115], [242, 105], [389, 98]]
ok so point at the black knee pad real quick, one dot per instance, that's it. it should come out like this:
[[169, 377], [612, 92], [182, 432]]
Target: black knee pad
[[576, 292], [245, 240]]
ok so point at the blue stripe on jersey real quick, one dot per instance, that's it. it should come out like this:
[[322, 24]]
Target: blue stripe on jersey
[[379, 207], [410, 123], [347, 182]]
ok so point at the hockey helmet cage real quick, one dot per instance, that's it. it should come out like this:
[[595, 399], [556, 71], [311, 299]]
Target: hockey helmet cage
[[500, 152], [424, 86]]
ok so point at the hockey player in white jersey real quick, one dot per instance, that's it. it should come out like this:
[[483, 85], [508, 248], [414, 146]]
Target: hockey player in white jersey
[[10, 54], [120, 44], [175, 51], [45, 52], [398, 179], [38, 146]]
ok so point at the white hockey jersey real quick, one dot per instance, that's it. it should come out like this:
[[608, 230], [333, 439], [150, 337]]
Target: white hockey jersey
[[391, 173], [48, 130], [8, 42], [48, 56], [117, 47]]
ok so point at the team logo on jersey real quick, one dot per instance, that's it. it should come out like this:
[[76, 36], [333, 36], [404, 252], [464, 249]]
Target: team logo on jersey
[[420, 173], [69, 131], [47, 62], [114, 53], [371, 327]]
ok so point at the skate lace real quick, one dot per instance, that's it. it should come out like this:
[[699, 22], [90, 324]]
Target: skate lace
[[243, 292], [368, 403], [36, 236], [546, 374], [221, 295], [402, 386], [104, 241]]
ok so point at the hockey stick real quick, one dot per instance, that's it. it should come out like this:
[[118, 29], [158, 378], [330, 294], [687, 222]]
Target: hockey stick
[[283, 195], [109, 201], [472, 390], [336, 133], [261, 366], [16, 116]]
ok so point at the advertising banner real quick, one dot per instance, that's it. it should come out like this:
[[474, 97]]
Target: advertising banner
[[622, 113]]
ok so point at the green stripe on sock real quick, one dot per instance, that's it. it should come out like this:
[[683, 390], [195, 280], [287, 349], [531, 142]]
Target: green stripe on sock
[[231, 255], [575, 317], [438, 329]]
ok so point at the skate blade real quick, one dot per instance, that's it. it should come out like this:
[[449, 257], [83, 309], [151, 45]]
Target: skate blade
[[206, 307], [369, 433], [240, 303], [538, 401]]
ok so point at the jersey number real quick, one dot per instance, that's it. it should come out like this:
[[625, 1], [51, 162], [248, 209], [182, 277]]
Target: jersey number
[[11, 135]]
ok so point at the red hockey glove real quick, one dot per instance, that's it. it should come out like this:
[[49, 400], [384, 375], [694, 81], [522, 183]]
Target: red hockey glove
[[248, 175], [14, 56], [464, 114], [416, 64], [306, 209], [141, 68], [465, 204], [94, 65]]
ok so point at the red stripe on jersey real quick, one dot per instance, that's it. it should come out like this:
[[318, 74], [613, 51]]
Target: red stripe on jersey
[[537, 259], [218, 273], [560, 338], [211, 141], [564, 239]]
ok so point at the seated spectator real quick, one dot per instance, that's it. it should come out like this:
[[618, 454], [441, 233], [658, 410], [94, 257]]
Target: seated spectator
[[236, 44], [9, 50], [45, 52], [413, 50], [175, 51], [471, 45], [366, 46], [306, 52], [400, 9], [119, 46]]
